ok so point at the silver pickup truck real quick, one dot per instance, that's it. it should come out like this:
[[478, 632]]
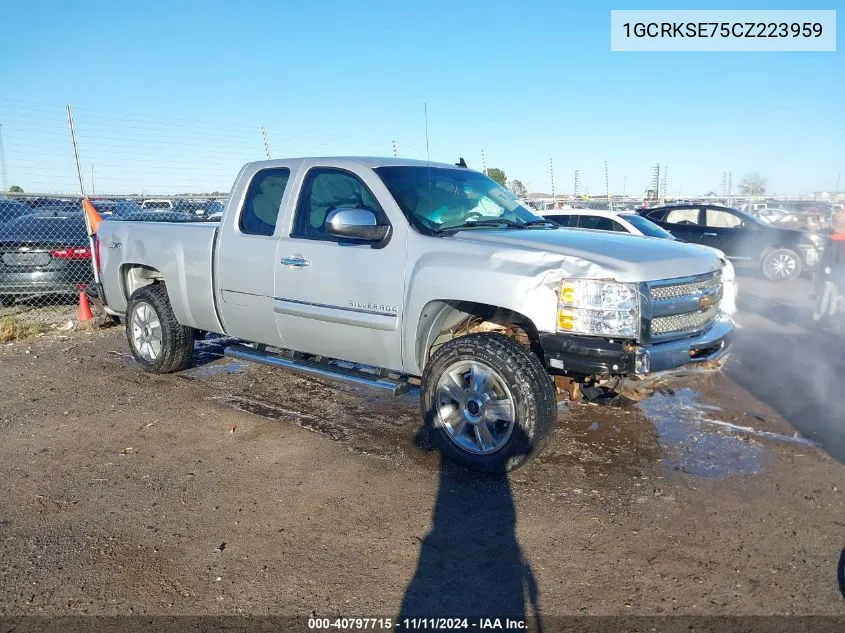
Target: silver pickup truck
[[389, 272]]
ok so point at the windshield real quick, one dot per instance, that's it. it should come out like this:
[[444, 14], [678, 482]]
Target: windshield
[[647, 227], [438, 199]]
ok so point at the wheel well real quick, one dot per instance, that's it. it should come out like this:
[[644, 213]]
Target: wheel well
[[134, 276], [444, 320]]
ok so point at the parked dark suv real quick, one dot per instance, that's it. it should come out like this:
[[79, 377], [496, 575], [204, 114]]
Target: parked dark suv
[[780, 253]]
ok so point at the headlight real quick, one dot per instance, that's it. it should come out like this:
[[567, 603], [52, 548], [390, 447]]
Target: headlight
[[598, 308]]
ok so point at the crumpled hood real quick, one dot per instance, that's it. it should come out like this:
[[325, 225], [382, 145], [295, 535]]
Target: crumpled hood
[[620, 256]]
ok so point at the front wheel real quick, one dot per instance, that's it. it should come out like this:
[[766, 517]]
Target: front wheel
[[488, 402], [781, 264], [159, 343]]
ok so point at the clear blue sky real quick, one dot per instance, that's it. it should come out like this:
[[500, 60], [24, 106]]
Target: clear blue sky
[[170, 96]]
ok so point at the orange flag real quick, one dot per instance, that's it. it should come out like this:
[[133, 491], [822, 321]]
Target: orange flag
[[94, 218]]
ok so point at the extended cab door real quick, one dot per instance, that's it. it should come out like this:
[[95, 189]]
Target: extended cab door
[[337, 297], [245, 261]]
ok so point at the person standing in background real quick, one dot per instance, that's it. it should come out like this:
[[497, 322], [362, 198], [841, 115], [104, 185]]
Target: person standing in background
[[830, 275]]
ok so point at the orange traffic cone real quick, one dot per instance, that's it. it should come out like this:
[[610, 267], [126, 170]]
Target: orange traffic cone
[[84, 308]]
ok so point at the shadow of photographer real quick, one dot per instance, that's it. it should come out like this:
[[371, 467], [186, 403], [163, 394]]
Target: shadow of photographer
[[470, 563]]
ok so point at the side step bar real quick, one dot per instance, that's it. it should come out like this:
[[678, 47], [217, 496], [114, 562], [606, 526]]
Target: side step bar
[[397, 386]]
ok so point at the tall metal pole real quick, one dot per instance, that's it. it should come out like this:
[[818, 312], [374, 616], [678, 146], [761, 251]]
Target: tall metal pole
[[2, 162], [483, 163], [730, 198], [655, 181], [266, 141], [552, 172], [90, 228], [427, 147], [607, 187], [75, 151]]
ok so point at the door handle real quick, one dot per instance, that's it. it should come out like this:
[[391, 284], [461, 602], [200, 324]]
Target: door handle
[[711, 234], [295, 261]]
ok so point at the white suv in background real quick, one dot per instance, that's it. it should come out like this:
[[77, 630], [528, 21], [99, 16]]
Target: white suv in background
[[605, 220]]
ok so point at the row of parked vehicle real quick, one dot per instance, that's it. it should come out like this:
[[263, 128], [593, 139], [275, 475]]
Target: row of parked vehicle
[[44, 246], [742, 239]]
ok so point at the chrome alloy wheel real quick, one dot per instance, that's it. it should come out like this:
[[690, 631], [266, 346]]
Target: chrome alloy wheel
[[475, 407], [782, 266], [146, 332]]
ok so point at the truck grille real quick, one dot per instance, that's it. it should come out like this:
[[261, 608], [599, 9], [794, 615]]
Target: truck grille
[[679, 307], [674, 291], [683, 323]]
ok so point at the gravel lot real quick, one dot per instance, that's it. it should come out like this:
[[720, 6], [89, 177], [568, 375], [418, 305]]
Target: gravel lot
[[235, 489]]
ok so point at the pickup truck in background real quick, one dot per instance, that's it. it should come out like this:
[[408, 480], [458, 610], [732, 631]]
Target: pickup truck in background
[[384, 271]]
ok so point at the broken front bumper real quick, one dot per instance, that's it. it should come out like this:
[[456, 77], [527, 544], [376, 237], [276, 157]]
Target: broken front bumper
[[589, 356]]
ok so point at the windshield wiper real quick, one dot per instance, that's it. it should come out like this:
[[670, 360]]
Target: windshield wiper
[[490, 222]]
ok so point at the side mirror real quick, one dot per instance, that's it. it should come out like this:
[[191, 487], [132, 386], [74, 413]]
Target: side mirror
[[355, 224]]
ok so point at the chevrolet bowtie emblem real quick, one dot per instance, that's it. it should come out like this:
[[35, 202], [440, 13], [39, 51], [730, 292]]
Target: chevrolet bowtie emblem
[[704, 303]]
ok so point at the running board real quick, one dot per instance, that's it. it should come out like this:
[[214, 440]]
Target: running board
[[397, 386]]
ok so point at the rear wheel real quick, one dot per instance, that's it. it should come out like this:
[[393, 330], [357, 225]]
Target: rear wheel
[[781, 264], [488, 402], [159, 343]]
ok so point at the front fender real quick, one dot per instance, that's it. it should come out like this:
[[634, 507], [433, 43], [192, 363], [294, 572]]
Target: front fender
[[524, 282]]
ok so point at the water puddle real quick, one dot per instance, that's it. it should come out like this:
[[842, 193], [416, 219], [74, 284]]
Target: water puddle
[[671, 430], [212, 369], [693, 443]]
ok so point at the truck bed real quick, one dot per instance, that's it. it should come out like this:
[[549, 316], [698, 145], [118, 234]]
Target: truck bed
[[180, 251]]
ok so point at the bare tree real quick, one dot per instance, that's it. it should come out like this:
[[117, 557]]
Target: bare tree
[[753, 185]]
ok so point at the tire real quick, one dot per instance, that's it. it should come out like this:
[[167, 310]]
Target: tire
[[473, 369], [776, 267], [159, 343]]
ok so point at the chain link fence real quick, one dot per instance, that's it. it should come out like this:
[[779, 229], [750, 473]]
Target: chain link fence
[[45, 261], [45, 254]]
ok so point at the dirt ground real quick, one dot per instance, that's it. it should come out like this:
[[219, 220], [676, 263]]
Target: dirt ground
[[236, 489]]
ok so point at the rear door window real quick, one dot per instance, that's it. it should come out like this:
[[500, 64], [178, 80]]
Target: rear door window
[[722, 219], [260, 210]]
